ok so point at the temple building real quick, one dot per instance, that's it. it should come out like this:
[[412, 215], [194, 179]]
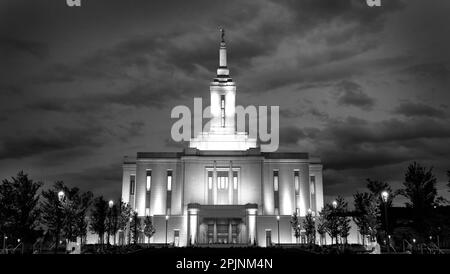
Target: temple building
[[223, 189]]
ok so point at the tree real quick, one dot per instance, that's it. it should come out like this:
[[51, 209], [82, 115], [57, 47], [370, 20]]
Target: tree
[[149, 229], [81, 218], [65, 216], [321, 228], [366, 214], [310, 228], [19, 212], [98, 217], [53, 213], [343, 221], [420, 189], [376, 188], [295, 223], [448, 184], [331, 224], [136, 227], [124, 216], [113, 220]]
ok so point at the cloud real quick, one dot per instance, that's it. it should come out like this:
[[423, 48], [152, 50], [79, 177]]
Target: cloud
[[34, 48], [41, 142], [351, 94], [101, 180], [418, 109], [438, 71], [290, 135]]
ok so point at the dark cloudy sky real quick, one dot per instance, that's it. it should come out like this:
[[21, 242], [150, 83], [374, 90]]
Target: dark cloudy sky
[[366, 89]]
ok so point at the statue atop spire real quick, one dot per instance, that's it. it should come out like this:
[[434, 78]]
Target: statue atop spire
[[222, 33]]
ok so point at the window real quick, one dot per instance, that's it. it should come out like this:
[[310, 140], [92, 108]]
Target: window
[[169, 180], [312, 185], [222, 110], [210, 180], [276, 197], [235, 180], [235, 187], [132, 184], [275, 180], [296, 182], [210, 187], [169, 191], [149, 179], [222, 180]]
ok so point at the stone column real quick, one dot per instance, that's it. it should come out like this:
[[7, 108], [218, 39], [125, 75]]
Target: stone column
[[192, 224], [230, 184], [251, 224], [230, 231], [214, 184], [215, 232]]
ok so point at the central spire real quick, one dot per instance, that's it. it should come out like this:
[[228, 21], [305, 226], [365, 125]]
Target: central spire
[[222, 134], [222, 71]]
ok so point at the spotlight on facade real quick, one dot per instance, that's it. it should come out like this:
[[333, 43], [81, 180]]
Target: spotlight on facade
[[110, 203], [385, 196]]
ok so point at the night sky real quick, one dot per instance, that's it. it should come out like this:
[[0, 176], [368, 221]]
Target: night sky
[[366, 89]]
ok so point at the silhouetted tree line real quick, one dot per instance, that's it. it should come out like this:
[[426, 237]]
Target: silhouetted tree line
[[374, 215], [31, 217]]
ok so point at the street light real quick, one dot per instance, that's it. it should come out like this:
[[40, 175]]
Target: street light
[[334, 203], [110, 204], [61, 195], [167, 221], [385, 197], [4, 242], [278, 222]]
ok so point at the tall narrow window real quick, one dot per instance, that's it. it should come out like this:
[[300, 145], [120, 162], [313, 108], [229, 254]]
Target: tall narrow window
[[297, 191], [222, 188], [169, 191], [312, 185], [132, 184], [275, 180], [312, 190], [210, 187], [169, 180], [296, 182], [235, 187], [147, 192], [149, 179], [222, 110], [275, 191]]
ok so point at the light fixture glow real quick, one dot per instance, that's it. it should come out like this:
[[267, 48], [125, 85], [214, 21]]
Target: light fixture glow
[[385, 195]]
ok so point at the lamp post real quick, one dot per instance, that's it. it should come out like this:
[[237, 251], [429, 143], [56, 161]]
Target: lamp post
[[334, 203], [278, 222], [61, 196], [110, 205], [167, 222], [385, 196], [4, 243]]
